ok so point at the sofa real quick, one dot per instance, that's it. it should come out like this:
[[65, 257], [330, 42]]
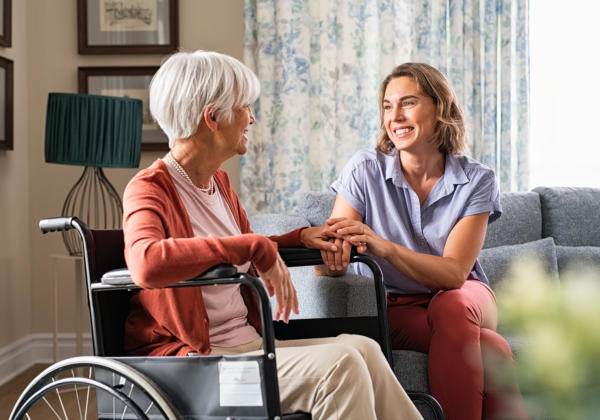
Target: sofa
[[560, 226]]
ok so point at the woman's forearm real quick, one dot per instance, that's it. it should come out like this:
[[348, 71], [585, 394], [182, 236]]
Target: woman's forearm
[[429, 270]]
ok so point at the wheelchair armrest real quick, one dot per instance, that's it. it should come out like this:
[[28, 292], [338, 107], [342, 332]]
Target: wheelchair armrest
[[120, 279], [217, 272], [122, 276], [298, 256]]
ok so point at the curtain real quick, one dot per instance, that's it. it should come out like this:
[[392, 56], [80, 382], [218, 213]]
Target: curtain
[[320, 63]]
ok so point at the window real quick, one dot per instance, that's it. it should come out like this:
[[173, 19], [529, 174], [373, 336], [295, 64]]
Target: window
[[565, 93]]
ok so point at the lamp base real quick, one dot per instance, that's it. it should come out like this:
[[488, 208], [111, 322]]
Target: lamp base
[[95, 201]]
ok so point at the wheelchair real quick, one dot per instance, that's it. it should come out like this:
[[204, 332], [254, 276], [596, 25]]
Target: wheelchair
[[110, 385]]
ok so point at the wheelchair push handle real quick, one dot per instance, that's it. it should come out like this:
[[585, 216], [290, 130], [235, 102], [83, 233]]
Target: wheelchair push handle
[[54, 224]]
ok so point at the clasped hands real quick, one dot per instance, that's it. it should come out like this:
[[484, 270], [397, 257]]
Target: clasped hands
[[345, 233], [339, 235]]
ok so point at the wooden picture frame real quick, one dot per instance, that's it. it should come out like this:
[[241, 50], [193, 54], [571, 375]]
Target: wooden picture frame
[[127, 26], [126, 81], [5, 23], [6, 104]]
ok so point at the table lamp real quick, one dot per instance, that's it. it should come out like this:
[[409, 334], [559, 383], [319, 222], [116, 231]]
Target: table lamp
[[95, 132]]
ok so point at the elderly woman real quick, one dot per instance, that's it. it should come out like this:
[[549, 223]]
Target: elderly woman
[[181, 216], [422, 209]]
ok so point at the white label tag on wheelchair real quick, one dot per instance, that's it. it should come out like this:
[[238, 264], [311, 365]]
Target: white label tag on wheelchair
[[239, 384]]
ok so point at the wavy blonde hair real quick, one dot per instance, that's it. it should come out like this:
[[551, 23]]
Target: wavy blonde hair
[[449, 135]]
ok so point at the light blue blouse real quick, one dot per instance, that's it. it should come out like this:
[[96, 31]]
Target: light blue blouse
[[374, 185]]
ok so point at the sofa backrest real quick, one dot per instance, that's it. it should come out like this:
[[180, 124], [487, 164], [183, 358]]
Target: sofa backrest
[[521, 220], [571, 215], [316, 206], [276, 224]]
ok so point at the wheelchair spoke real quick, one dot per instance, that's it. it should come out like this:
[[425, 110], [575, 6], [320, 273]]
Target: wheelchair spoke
[[62, 404], [149, 407], [51, 408], [114, 408], [77, 395], [125, 408], [87, 395]]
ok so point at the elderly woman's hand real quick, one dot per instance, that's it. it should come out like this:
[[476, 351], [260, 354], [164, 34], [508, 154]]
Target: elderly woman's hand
[[335, 252], [337, 261], [278, 282], [318, 237]]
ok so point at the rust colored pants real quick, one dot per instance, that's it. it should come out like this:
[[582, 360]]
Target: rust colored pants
[[458, 330]]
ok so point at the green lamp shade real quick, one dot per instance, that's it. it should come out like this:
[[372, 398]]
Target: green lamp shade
[[93, 130]]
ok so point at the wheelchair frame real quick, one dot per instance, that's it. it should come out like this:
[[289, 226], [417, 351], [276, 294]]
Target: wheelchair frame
[[162, 378]]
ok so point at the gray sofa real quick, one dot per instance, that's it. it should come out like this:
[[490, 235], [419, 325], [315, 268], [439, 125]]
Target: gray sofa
[[560, 226]]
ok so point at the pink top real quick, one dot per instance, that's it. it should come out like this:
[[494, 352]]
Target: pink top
[[211, 216]]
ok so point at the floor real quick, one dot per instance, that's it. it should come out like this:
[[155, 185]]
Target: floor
[[9, 392]]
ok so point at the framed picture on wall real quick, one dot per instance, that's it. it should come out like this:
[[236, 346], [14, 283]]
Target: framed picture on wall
[[6, 104], [5, 23], [127, 26], [132, 82]]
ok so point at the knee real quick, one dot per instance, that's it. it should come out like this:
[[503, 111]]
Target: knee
[[366, 346], [493, 345], [449, 307], [349, 363]]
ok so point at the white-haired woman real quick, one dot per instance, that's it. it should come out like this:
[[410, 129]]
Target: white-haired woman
[[181, 217]]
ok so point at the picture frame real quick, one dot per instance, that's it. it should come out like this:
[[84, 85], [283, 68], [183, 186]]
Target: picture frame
[[6, 104], [127, 26], [5, 23], [126, 81]]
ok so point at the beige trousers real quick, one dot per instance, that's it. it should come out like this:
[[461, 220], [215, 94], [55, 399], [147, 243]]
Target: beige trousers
[[340, 378]]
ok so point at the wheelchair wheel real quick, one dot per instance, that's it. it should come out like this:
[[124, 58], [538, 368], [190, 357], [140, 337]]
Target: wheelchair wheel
[[92, 388]]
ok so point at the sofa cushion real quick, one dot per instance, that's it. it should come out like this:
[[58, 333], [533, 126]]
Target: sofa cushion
[[521, 220], [578, 257], [410, 368], [276, 224], [316, 206], [496, 261], [571, 215]]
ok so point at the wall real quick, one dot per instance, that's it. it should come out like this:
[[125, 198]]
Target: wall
[[46, 60], [15, 260]]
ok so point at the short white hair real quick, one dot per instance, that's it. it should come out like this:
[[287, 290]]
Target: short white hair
[[187, 82]]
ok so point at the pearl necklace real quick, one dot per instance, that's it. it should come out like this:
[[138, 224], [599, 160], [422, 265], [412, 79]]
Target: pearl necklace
[[210, 189]]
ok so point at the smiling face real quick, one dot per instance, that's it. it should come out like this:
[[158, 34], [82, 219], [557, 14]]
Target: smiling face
[[409, 117], [236, 133]]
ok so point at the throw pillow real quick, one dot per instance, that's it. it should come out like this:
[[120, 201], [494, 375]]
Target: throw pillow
[[496, 261]]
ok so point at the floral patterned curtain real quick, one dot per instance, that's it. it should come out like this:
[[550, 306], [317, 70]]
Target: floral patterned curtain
[[320, 63]]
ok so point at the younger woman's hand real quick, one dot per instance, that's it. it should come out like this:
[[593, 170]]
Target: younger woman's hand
[[278, 282], [360, 235]]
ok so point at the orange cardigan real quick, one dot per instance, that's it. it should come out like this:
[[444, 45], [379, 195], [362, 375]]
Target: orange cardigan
[[160, 249]]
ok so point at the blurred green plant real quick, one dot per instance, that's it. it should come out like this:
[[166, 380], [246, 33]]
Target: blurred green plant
[[558, 365]]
